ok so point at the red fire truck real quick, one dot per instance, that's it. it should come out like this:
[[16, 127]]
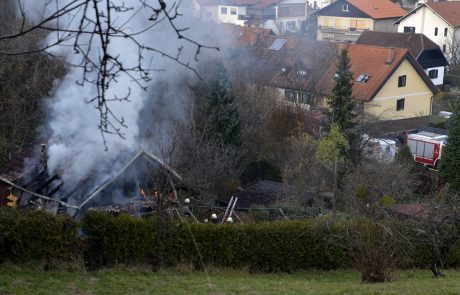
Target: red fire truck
[[427, 147]]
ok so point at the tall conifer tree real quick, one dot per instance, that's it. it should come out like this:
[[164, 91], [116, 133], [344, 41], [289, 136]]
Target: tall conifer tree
[[223, 122], [450, 167], [341, 102]]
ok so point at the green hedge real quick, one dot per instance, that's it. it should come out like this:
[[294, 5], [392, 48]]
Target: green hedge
[[280, 246], [37, 235], [109, 240]]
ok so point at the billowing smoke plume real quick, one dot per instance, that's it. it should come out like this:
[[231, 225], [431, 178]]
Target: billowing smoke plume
[[76, 146]]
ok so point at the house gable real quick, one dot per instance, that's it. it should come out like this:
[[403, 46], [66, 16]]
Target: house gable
[[336, 9], [416, 94], [419, 13]]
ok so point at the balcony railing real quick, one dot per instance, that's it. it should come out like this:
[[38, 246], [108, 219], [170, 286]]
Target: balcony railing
[[334, 29]]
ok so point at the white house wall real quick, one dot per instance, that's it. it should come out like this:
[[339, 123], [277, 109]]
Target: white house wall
[[440, 79], [229, 18], [284, 20], [425, 21]]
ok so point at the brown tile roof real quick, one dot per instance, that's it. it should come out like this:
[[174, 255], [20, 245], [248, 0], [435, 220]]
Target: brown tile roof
[[376, 62], [448, 10], [415, 43], [239, 36], [295, 55], [281, 68], [378, 9], [16, 168]]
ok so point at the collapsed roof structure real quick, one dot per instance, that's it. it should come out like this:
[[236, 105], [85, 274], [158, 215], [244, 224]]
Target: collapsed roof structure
[[29, 180]]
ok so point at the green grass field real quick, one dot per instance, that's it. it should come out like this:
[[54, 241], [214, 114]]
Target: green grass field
[[21, 280]]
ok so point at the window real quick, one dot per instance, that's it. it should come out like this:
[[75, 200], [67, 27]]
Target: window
[[435, 31], [433, 74], [233, 10], [345, 7], [409, 29], [290, 95], [290, 26], [223, 10], [444, 48], [363, 78], [445, 32], [306, 98], [284, 10], [402, 81], [400, 104]]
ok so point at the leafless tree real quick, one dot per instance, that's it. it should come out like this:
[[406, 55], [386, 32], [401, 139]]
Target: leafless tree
[[377, 241], [208, 168], [438, 228], [25, 82], [90, 27], [451, 49]]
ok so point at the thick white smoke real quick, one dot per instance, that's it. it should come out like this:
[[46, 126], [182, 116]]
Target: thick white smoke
[[76, 147]]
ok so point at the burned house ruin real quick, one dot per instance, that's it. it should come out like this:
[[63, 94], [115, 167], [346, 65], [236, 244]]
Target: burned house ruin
[[133, 187]]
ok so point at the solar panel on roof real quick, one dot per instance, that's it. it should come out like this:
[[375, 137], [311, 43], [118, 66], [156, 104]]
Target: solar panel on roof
[[278, 44]]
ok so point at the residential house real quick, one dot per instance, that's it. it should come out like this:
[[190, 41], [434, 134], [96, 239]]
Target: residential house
[[241, 37], [439, 21], [239, 12], [345, 20], [426, 52], [388, 83], [291, 15], [27, 178]]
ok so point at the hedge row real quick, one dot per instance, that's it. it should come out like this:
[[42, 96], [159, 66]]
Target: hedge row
[[36, 235], [284, 246], [109, 240]]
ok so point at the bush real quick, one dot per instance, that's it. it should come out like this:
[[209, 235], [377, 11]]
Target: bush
[[262, 247], [279, 246], [37, 235]]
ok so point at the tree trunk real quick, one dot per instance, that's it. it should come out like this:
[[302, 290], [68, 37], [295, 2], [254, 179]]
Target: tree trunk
[[334, 190]]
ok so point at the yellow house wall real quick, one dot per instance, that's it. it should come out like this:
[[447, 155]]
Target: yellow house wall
[[345, 22], [416, 93]]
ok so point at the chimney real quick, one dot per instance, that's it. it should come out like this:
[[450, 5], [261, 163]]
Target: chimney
[[390, 55], [44, 157], [253, 38]]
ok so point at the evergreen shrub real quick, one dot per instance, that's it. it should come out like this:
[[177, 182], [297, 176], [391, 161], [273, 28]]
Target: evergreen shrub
[[37, 235]]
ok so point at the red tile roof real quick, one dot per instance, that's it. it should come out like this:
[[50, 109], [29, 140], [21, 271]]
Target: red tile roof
[[239, 36], [415, 43], [379, 9], [448, 10], [284, 68], [376, 62], [16, 168]]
